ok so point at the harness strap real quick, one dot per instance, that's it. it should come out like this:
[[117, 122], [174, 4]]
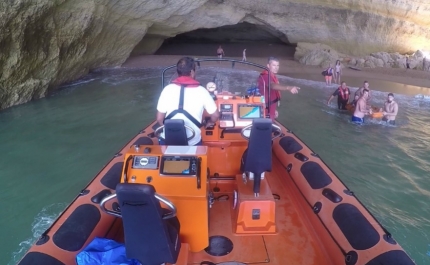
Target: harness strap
[[182, 111]]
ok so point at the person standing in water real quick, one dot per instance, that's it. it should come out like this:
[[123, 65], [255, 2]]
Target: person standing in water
[[390, 110], [275, 87], [328, 75], [342, 94], [244, 55], [220, 52], [361, 109], [359, 93], [337, 72]]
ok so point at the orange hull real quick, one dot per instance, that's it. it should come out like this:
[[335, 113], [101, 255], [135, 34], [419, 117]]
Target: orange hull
[[303, 215], [309, 213]]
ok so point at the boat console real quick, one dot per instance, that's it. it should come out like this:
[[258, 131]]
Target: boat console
[[178, 173], [236, 112]]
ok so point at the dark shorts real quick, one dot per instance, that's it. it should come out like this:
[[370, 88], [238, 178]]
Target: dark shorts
[[341, 104], [357, 120], [389, 121]]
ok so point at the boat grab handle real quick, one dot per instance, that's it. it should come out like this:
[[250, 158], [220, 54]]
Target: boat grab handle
[[248, 128], [157, 132], [162, 199]]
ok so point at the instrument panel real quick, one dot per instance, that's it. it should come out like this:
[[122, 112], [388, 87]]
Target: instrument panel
[[238, 112]]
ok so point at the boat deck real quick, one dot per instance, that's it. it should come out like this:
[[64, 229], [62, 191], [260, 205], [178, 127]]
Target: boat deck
[[294, 243]]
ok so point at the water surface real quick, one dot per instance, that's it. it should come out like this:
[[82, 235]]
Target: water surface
[[54, 146]]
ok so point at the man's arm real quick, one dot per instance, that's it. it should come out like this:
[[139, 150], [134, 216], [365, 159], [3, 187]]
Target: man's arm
[[335, 93], [214, 116], [160, 117], [395, 110], [330, 98], [210, 107], [292, 89]]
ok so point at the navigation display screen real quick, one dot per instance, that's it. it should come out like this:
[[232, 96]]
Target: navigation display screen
[[176, 167], [249, 111], [179, 165]]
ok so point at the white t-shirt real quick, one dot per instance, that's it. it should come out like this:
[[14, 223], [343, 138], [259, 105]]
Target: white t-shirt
[[196, 100]]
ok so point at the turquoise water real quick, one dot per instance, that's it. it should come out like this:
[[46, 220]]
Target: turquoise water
[[54, 146]]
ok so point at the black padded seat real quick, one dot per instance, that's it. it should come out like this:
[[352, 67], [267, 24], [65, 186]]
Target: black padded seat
[[175, 132], [149, 238], [258, 157]]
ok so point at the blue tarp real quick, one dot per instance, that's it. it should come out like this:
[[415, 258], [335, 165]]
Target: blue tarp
[[103, 251]]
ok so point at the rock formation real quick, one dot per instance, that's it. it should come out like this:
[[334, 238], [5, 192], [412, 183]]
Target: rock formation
[[47, 42]]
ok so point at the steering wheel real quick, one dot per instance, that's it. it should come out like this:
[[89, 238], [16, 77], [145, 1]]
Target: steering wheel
[[157, 132], [246, 131]]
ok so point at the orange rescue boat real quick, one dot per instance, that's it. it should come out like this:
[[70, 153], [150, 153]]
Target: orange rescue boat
[[253, 193]]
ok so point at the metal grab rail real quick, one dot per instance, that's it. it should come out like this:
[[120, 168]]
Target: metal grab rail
[[277, 128], [157, 196], [158, 131]]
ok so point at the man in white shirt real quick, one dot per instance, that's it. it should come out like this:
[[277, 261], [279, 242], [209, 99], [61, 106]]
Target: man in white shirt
[[195, 99]]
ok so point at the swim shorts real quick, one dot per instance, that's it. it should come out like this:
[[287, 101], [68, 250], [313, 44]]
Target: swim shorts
[[357, 120], [391, 122]]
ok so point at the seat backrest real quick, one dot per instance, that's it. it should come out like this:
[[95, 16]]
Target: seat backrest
[[149, 238], [258, 157], [175, 132]]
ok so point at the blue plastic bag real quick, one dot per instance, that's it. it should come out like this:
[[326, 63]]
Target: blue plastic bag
[[104, 251]]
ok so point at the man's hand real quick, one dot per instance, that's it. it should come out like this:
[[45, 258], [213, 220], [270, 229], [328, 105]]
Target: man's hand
[[209, 124], [294, 90]]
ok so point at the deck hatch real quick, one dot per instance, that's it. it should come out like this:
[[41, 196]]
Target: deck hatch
[[37, 258], [143, 141], [290, 145], [355, 227], [315, 175], [74, 232], [392, 257], [113, 176]]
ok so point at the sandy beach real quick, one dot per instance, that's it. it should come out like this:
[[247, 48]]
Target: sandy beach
[[402, 81]]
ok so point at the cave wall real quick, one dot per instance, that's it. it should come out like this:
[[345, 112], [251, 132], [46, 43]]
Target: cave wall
[[44, 43]]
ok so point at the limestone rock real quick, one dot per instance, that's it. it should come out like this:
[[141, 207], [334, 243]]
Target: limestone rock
[[318, 57], [418, 54], [304, 48], [384, 56], [414, 63], [360, 62], [45, 42]]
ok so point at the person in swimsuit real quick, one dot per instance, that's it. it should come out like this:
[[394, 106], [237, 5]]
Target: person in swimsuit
[[361, 108], [328, 75], [390, 110], [342, 94], [337, 72], [220, 52], [244, 55]]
